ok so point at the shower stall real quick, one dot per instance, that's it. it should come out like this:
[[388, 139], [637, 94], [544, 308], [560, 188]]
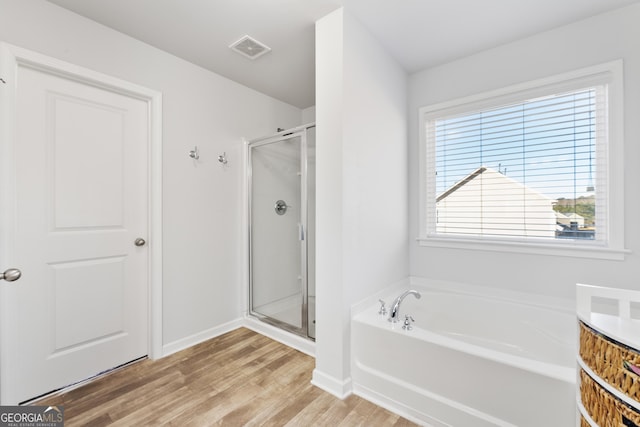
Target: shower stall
[[281, 190]]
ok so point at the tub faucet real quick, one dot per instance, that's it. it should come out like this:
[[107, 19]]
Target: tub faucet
[[394, 312]]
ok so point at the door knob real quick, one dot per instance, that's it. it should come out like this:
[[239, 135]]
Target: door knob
[[11, 275], [139, 241]]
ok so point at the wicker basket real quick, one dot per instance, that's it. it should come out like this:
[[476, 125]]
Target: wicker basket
[[607, 359], [583, 422], [605, 409]]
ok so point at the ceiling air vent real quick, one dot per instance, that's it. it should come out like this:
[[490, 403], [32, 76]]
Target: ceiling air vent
[[249, 47]]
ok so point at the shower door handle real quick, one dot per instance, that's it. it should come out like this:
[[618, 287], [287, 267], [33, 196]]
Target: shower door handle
[[300, 231]]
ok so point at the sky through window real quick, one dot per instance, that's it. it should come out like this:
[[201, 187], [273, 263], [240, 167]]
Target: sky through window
[[546, 144]]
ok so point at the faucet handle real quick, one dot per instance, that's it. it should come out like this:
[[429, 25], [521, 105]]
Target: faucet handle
[[407, 322], [383, 309]]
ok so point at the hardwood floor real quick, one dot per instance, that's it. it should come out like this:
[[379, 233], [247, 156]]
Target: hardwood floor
[[238, 379]]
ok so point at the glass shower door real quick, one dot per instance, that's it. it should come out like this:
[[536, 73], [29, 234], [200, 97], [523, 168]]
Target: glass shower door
[[277, 233]]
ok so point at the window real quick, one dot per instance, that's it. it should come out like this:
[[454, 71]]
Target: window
[[530, 165]]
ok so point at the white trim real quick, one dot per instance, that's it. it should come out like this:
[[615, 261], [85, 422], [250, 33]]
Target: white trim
[[12, 57], [244, 229], [340, 389], [8, 71], [568, 81], [155, 227], [547, 248], [202, 336], [610, 73]]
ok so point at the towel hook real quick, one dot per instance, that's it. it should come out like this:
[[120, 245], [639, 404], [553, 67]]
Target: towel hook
[[194, 154]]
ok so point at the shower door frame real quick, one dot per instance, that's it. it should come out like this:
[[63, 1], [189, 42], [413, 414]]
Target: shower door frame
[[301, 132]]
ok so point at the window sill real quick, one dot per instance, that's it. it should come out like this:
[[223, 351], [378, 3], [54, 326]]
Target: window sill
[[534, 248]]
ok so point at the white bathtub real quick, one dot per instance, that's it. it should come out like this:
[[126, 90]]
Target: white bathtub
[[470, 360]]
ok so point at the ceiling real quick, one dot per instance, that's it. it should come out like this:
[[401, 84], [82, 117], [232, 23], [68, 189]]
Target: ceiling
[[417, 33]]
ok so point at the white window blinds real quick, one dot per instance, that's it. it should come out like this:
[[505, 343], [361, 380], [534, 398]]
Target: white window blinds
[[535, 169]]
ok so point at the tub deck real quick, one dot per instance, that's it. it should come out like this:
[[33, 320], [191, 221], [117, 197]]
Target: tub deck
[[469, 361]]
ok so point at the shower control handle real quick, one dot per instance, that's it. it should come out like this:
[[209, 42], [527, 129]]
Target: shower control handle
[[407, 322], [383, 309], [281, 207]]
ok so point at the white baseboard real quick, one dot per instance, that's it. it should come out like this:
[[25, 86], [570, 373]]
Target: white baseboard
[[340, 389], [194, 339]]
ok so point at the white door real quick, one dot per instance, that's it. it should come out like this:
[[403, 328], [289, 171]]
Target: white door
[[81, 200]]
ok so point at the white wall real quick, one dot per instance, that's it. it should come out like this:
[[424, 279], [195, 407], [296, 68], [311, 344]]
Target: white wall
[[201, 206], [361, 184], [596, 40], [309, 115]]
